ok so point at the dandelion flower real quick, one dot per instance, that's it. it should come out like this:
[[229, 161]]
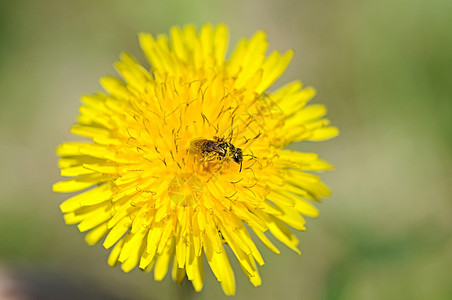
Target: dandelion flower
[[186, 158]]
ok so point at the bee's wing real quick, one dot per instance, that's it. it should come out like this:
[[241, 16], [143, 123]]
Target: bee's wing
[[196, 145]]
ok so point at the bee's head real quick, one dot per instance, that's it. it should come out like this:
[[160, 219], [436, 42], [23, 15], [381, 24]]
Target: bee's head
[[238, 155]]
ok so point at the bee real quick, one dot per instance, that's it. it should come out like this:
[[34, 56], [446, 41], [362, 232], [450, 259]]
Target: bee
[[218, 149]]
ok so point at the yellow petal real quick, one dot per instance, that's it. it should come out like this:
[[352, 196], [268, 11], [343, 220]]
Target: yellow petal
[[91, 197], [163, 261], [96, 234], [79, 183], [117, 232], [273, 68], [323, 134]]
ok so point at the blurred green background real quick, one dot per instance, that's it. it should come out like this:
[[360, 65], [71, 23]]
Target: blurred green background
[[383, 68]]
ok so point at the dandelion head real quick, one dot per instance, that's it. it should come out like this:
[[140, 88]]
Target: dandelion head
[[187, 157]]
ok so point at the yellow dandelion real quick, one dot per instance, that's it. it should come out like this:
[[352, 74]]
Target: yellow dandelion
[[187, 157]]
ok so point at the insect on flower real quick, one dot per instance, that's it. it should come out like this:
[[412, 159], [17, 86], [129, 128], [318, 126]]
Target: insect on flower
[[216, 149]]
